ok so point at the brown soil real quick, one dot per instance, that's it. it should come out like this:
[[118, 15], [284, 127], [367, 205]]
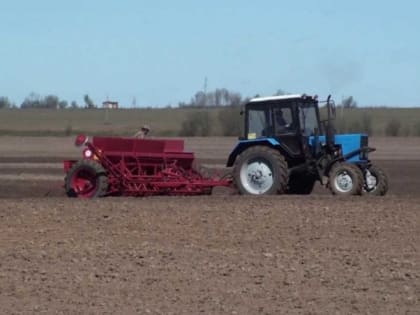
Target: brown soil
[[210, 255], [220, 254], [27, 182]]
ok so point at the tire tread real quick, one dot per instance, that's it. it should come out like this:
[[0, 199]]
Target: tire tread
[[279, 165], [102, 188]]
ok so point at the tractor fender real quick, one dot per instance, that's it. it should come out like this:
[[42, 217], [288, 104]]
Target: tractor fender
[[348, 156], [345, 158], [242, 145], [363, 150]]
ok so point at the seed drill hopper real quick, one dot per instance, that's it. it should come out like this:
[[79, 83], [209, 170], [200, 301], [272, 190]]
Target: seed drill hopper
[[115, 166]]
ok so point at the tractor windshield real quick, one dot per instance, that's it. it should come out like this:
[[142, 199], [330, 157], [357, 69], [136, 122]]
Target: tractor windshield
[[259, 120], [308, 118]]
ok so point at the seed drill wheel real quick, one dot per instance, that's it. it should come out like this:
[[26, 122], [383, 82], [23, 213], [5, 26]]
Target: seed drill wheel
[[86, 179], [346, 179], [376, 181], [260, 170]]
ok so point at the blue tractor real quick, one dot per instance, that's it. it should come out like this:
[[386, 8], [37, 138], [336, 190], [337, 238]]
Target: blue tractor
[[287, 148]]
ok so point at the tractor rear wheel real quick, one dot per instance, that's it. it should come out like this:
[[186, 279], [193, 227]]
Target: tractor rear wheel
[[86, 179], [376, 181], [301, 184], [260, 170], [346, 179]]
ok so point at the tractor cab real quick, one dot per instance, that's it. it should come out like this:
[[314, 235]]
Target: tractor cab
[[290, 120], [281, 115]]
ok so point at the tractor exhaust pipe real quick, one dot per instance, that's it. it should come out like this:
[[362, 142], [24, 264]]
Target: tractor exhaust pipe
[[329, 134]]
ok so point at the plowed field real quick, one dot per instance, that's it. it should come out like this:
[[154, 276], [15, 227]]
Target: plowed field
[[220, 254]]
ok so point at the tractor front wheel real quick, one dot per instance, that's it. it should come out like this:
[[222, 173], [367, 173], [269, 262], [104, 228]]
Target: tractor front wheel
[[376, 181], [86, 179], [346, 179], [260, 170]]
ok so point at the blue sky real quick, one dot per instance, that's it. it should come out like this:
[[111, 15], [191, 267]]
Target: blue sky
[[160, 52]]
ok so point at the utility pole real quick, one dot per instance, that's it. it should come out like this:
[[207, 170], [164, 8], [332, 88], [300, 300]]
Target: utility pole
[[205, 85], [205, 91]]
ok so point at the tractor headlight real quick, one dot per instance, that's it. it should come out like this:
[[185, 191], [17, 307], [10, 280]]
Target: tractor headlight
[[87, 153], [338, 151]]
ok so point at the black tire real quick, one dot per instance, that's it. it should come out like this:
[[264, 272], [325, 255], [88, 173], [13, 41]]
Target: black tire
[[86, 179], [379, 185], [301, 184], [260, 170], [346, 179]]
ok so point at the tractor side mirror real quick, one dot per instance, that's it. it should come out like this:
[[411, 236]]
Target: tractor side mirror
[[330, 108]]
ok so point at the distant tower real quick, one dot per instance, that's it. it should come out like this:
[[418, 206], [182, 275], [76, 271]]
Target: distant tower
[[134, 103]]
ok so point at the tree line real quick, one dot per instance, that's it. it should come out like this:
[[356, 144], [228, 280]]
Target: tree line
[[217, 98], [51, 101], [199, 122]]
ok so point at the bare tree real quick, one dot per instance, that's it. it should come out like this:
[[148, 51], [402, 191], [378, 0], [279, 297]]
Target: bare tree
[[349, 102], [74, 104], [88, 102], [5, 103]]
